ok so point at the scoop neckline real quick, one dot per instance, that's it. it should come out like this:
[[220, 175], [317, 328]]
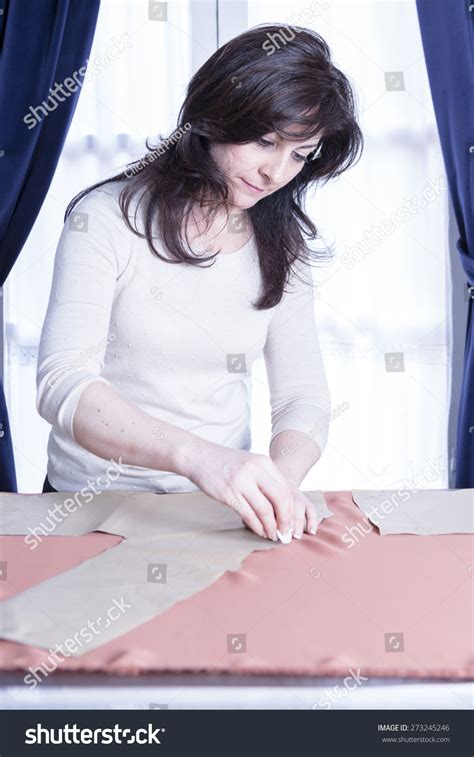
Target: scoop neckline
[[242, 249], [237, 253]]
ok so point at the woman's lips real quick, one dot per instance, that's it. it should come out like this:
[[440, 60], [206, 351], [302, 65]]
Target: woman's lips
[[253, 189]]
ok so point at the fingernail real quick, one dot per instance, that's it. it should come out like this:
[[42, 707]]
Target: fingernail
[[313, 530], [298, 535], [286, 537]]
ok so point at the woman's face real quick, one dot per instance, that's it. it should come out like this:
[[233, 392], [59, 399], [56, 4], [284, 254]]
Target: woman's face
[[259, 168]]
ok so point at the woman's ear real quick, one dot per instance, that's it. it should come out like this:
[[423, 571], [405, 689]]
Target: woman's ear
[[314, 155]]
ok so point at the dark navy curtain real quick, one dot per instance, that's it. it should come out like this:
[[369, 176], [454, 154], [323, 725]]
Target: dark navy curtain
[[447, 34], [44, 46]]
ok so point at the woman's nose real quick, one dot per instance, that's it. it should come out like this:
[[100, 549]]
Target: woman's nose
[[275, 168]]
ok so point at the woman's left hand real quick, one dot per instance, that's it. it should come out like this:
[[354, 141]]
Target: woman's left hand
[[307, 517]]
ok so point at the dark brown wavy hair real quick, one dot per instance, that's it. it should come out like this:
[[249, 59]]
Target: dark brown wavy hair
[[248, 88]]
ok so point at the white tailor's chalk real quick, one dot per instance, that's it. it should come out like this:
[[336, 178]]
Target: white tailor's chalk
[[285, 538]]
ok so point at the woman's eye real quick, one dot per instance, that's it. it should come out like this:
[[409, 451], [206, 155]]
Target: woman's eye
[[266, 143]]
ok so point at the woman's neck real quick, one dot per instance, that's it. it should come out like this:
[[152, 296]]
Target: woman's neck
[[227, 233]]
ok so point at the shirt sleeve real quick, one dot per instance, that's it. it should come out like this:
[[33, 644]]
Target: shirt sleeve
[[299, 392], [88, 262]]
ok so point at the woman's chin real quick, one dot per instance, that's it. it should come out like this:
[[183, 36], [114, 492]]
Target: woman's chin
[[243, 201]]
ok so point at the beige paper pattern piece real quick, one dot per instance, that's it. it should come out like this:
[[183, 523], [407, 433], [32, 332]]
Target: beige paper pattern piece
[[424, 511], [175, 545]]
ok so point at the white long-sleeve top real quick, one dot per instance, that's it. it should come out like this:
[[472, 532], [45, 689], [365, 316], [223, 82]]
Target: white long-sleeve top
[[177, 340]]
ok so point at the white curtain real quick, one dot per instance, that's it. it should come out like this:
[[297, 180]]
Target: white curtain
[[138, 70], [381, 307]]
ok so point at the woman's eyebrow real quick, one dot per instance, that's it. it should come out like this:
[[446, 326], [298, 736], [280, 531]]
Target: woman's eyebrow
[[303, 147]]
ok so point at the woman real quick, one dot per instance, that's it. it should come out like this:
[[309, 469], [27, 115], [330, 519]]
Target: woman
[[156, 316]]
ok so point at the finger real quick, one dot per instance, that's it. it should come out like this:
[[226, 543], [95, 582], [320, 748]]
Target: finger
[[251, 520], [300, 515], [313, 517], [285, 491], [281, 498], [263, 509]]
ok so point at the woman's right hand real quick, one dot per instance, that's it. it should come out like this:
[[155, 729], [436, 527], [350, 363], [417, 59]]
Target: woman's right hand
[[249, 483]]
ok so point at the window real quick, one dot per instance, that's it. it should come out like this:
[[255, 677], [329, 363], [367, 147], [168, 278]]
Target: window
[[381, 308]]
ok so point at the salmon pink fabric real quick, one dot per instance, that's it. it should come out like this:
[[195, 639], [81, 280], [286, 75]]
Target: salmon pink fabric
[[393, 606]]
